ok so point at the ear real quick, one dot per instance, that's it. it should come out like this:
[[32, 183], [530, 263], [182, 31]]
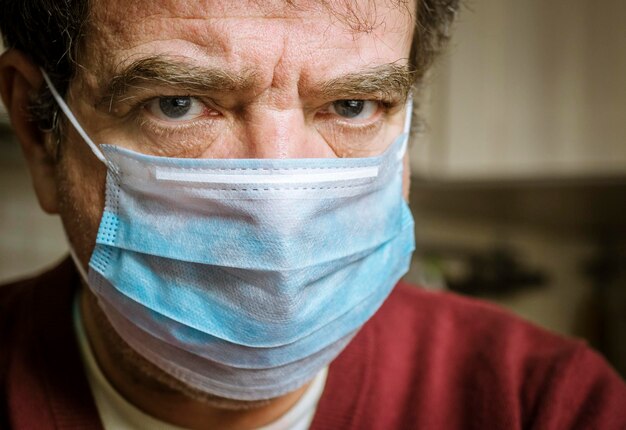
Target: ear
[[20, 78]]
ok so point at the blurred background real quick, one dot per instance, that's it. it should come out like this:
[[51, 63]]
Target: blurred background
[[519, 175]]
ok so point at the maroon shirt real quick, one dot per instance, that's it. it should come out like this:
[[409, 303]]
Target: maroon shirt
[[424, 361]]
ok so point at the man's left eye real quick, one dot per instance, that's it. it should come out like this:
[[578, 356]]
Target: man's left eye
[[175, 108], [354, 109]]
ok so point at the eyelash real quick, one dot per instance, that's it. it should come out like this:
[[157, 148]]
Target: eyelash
[[368, 128], [137, 114], [156, 127]]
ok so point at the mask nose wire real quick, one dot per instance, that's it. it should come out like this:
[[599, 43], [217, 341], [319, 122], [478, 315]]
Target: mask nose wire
[[68, 113]]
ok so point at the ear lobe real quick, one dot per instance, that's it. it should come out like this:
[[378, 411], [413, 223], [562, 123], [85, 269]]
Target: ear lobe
[[20, 78]]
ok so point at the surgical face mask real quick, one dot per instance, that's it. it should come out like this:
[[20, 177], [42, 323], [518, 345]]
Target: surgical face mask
[[245, 277]]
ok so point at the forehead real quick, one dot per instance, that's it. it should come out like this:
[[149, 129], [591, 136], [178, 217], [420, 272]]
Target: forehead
[[282, 40]]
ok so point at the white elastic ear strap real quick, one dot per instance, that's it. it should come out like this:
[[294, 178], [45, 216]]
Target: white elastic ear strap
[[77, 263], [68, 113], [408, 115]]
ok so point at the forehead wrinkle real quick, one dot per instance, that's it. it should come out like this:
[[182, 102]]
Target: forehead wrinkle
[[109, 12], [209, 37], [359, 16]]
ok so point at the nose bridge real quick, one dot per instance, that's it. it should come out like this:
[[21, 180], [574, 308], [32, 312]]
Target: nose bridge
[[282, 133], [275, 133]]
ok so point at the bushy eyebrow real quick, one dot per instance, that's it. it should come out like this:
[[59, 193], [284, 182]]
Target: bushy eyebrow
[[161, 71], [386, 82]]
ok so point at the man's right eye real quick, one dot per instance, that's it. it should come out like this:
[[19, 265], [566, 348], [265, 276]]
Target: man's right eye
[[354, 110], [177, 108]]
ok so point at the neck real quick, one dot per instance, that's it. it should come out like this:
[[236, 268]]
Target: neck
[[160, 395]]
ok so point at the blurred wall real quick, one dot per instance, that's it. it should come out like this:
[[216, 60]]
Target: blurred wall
[[529, 88]]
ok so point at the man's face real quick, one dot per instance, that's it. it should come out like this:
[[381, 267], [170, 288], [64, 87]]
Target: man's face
[[223, 79]]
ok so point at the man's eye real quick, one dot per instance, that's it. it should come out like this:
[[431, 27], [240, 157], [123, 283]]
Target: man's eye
[[354, 109], [175, 108]]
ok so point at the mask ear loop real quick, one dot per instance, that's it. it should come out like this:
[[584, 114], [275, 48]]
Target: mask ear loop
[[408, 115], [68, 113], [94, 148], [79, 266]]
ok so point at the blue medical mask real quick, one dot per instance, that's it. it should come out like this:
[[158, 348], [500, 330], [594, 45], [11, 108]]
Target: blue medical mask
[[245, 277]]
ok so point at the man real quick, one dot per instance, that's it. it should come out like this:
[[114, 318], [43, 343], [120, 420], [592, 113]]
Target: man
[[230, 176]]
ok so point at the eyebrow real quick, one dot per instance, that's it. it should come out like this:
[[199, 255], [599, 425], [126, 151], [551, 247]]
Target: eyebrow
[[160, 71], [388, 82]]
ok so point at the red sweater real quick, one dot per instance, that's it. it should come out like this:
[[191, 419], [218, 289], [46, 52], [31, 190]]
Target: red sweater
[[424, 361]]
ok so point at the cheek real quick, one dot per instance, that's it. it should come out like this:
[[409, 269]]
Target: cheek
[[81, 186]]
